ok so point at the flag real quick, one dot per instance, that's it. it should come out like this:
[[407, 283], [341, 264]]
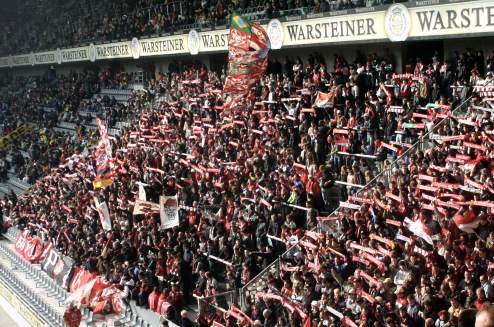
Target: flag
[[80, 278], [240, 30], [103, 169], [248, 49], [387, 91], [418, 228], [142, 192], [259, 39], [103, 156], [467, 223], [141, 207], [323, 99], [168, 211], [84, 295], [104, 214]]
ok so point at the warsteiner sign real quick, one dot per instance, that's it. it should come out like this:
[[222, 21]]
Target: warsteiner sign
[[335, 29], [113, 50], [214, 41], [75, 54], [164, 46], [24, 60], [473, 17], [44, 58]]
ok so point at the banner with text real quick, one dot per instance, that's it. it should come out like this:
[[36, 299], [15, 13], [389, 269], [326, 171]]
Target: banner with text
[[58, 267]]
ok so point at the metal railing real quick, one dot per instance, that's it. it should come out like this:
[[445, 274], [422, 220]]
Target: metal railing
[[217, 305], [34, 309], [424, 141]]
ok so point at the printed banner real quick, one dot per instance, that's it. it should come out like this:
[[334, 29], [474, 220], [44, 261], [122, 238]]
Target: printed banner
[[143, 207], [58, 268], [168, 211], [30, 248], [398, 22], [103, 158], [74, 54], [5, 62], [85, 294], [110, 51], [104, 214], [142, 192], [14, 135], [81, 277], [161, 46]]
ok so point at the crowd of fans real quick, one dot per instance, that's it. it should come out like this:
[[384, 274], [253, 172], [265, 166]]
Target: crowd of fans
[[70, 23], [406, 252], [41, 104], [274, 165], [403, 256]]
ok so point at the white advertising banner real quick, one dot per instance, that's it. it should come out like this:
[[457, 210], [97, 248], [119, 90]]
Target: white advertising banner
[[5, 62], [357, 27], [163, 46], [23, 60], [74, 54], [213, 41], [453, 19], [110, 51], [41, 58]]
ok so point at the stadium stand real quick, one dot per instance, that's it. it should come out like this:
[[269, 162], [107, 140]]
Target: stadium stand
[[143, 187], [245, 200], [99, 21]]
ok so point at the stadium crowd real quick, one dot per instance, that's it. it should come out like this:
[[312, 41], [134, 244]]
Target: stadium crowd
[[92, 20], [406, 253], [304, 140], [42, 103]]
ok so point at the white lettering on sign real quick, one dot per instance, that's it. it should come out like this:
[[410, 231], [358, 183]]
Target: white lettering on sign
[[51, 260]]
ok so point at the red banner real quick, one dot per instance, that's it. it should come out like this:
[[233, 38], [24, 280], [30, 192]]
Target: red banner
[[80, 278], [30, 248]]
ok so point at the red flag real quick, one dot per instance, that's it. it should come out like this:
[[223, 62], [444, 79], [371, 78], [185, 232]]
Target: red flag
[[323, 99], [308, 322]]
